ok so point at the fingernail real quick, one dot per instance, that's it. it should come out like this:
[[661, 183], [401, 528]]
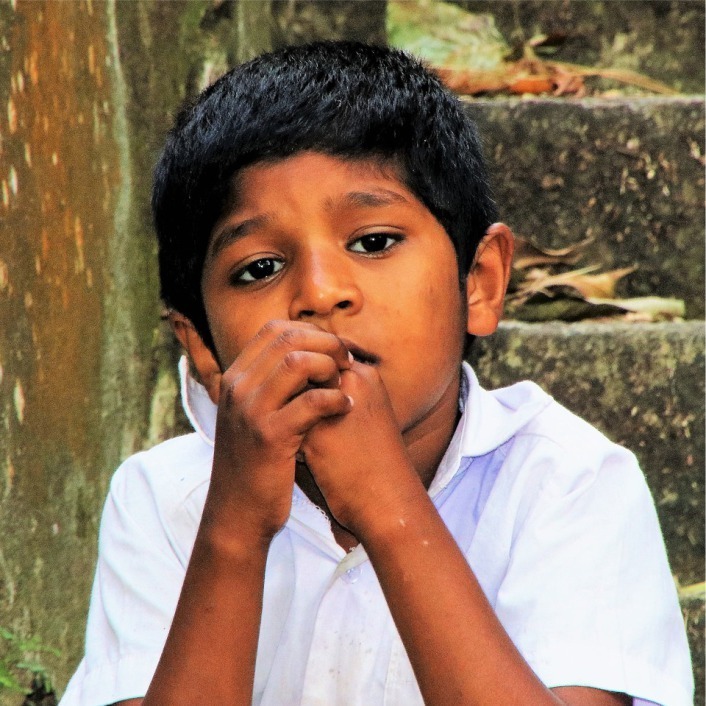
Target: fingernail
[[350, 399], [350, 357]]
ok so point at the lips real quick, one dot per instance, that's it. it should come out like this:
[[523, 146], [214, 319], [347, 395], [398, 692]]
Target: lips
[[360, 354]]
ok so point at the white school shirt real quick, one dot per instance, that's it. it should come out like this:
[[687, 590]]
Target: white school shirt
[[556, 522]]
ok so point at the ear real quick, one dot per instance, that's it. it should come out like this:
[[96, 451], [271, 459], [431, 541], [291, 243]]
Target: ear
[[488, 280], [200, 355]]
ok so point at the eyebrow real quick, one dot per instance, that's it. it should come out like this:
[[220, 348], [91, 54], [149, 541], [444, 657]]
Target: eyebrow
[[356, 199], [230, 234], [367, 199]]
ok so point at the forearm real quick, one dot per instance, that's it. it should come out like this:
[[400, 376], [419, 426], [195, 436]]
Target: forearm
[[441, 612], [211, 647]]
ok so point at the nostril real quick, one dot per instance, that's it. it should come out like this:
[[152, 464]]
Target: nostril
[[344, 304]]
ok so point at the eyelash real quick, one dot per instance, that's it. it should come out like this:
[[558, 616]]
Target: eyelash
[[394, 237], [278, 263]]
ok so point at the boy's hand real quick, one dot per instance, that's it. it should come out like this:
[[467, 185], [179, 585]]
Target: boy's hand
[[285, 380], [359, 460]]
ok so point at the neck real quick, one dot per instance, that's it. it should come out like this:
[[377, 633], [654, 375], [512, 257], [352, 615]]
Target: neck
[[427, 440]]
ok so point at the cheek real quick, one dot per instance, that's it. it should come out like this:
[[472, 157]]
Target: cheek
[[425, 306], [230, 333]]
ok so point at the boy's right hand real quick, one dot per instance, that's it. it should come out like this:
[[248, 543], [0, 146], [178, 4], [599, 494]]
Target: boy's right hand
[[285, 380]]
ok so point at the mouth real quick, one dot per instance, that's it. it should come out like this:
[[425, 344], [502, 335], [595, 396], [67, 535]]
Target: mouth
[[359, 354]]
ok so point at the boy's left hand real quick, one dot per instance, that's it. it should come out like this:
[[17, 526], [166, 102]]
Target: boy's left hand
[[359, 460]]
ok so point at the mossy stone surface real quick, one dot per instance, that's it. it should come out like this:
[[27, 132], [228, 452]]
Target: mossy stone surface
[[628, 173], [663, 39], [640, 384]]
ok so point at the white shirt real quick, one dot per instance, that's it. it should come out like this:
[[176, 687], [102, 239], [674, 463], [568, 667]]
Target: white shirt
[[555, 520]]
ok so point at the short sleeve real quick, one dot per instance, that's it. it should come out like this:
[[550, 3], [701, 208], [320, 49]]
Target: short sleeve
[[587, 596], [137, 583]]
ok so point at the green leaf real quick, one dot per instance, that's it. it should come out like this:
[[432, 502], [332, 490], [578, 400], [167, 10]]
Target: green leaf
[[9, 681], [7, 635], [543, 308], [445, 35]]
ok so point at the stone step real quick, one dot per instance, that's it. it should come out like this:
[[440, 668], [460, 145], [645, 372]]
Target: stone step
[[692, 607], [663, 39], [643, 386], [627, 172]]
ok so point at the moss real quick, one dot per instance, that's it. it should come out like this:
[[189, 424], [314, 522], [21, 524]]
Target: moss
[[643, 386]]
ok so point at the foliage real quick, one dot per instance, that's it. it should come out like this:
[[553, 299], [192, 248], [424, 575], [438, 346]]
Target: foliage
[[543, 287], [17, 656], [445, 35], [472, 57]]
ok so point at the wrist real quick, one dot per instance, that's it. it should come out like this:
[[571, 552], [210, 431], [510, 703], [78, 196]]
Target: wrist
[[237, 545], [236, 530], [389, 507]]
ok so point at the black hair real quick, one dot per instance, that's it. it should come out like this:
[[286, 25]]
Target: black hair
[[345, 99]]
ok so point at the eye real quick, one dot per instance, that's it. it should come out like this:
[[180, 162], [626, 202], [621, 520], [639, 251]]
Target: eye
[[258, 270], [374, 243]]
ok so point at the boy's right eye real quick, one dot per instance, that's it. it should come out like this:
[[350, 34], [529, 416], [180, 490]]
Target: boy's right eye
[[257, 270]]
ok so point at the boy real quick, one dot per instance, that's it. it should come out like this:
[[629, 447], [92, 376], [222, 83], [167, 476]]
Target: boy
[[359, 522]]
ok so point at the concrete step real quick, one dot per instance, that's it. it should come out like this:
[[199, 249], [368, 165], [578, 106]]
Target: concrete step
[[628, 172], [692, 607], [663, 39], [643, 386]]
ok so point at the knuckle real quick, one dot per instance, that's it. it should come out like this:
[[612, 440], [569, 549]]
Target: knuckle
[[273, 328], [316, 398], [324, 400], [230, 386], [293, 361], [289, 338]]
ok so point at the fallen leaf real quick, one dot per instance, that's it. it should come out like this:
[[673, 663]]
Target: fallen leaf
[[586, 284], [528, 255], [654, 307], [542, 307], [695, 590], [470, 54]]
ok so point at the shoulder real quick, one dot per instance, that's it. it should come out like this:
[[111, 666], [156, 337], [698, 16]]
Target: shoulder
[[549, 453], [161, 489], [579, 452], [543, 422], [176, 465]]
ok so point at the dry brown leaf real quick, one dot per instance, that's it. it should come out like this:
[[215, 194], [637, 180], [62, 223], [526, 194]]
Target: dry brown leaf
[[529, 255], [534, 75], [601, 285], [582, 281], [540, 280]]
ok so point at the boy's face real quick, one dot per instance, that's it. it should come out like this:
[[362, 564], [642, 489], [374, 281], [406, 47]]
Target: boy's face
[[346, 246]]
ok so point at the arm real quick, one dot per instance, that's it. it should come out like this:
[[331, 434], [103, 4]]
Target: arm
[[482, 664], [266, 404], [416, 558]]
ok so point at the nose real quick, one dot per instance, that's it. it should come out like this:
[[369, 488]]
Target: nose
[[324, 284]]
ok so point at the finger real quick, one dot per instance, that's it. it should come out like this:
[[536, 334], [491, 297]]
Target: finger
[[288, 340], [295, 373], [310, 407], [264, 338]]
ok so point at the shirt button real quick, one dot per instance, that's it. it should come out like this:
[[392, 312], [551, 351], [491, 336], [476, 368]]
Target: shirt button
[[352, 575]]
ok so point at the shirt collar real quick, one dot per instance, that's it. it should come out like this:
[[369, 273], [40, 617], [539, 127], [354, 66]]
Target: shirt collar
[[199, 409], [488, 419]]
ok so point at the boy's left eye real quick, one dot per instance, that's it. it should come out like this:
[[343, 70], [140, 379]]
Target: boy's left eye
[[374, 243]]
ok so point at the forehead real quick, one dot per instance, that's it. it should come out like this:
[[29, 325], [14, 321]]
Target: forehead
[[286, 192], [311, 166]]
